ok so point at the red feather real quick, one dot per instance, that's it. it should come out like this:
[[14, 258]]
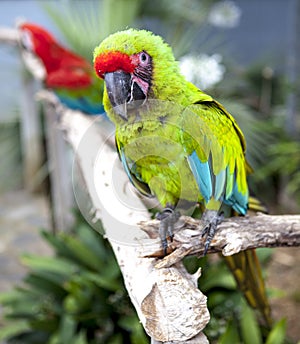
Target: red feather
[[113, 61], [63, 67]]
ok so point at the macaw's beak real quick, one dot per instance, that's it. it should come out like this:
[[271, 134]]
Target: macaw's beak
[[123, 93]]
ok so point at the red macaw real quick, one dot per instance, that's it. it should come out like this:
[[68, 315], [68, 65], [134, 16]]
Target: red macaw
[[69, 75]]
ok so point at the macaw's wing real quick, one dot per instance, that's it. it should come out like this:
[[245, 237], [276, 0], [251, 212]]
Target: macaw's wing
[[71, 78], [129, 167], [85, 97], [215, 147]]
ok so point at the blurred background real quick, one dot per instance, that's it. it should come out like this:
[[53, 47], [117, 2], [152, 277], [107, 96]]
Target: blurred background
[[246, 55]]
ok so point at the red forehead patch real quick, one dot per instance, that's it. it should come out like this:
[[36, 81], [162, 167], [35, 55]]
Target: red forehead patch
[[112, 61]]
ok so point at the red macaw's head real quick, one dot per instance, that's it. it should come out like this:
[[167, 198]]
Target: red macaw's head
[[63, 67]]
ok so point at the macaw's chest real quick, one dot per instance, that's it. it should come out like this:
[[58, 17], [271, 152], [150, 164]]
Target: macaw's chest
[[156, 156]]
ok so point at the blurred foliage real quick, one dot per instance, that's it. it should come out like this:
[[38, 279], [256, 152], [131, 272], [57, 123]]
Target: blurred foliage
[[232, 320], [75, 296], [85, 24], [285, 161], [10, 156], [183, 24]]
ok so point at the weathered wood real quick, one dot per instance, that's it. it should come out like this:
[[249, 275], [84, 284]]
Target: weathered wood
[[8, 35], [60, 172], [233, 235], [31, 137]]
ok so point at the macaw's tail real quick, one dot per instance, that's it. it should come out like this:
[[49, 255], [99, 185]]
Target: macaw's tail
[[246, 270]]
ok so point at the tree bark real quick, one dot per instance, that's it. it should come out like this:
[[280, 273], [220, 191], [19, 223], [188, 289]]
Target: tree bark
[[233, 235]]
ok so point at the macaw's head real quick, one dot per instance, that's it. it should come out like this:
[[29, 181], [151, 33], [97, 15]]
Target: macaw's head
[[63, 68], [39, 42], [136, 65]]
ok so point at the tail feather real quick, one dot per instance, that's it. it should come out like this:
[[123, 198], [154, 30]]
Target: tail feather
[[255, 205], [246, 270]]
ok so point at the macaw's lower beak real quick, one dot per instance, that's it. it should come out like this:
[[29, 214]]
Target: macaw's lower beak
[[124, 94]]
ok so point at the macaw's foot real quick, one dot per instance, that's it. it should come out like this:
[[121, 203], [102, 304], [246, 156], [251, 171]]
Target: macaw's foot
[[168, 217], [211, 218]]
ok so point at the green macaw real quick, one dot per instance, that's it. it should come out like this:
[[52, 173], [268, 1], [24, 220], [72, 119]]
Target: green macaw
[[177, 143]]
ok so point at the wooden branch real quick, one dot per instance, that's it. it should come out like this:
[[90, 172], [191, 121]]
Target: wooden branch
[[9, 35], [59, 161], [234, 235], [31, 135]]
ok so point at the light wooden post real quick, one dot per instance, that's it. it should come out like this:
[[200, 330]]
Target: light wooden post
[[59, 157]]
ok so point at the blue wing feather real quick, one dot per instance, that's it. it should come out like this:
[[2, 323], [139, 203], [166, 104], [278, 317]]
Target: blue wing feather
[[219, 184], [207, 182], [130, 169], [202, 174], [81, 104], [238, 201]]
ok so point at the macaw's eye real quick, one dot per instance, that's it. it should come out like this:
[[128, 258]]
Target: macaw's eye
[[144, 58]]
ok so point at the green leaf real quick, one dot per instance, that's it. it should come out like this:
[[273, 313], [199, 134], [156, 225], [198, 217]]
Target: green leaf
[[222, 298], [80, 339], [21, 303], [67, 329], [95, 242], [231, 334], [264, 254], [115, 339], [44, 323], [217, 276], [106, 282], [55, 264], [45, 286], [278, 333], [11, 296], [13, 329], [132, 324], [82, 252], [250, 329], [56, 241]]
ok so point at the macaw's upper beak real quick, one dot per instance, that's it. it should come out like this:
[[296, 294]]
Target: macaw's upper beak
[[123, 93]]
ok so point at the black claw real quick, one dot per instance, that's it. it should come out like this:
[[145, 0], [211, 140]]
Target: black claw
[[206, 246], [213, 219], [168, 218], [209, 230]]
